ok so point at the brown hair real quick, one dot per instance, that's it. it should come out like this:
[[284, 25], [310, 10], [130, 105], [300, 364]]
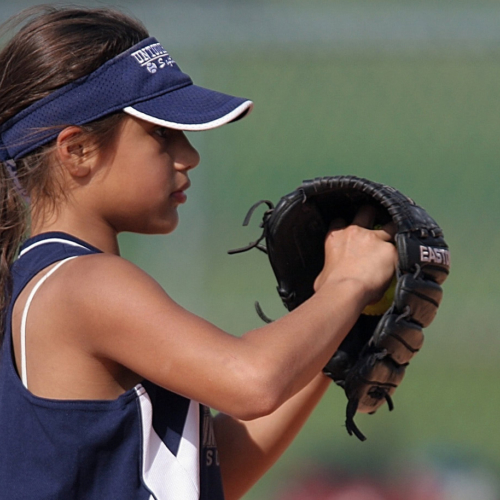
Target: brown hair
[[52, 47]]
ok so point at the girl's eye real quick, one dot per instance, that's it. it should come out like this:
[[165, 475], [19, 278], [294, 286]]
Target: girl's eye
[[163, 132]]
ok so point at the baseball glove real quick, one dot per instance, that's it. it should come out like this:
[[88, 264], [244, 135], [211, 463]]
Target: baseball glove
[[371, 361]]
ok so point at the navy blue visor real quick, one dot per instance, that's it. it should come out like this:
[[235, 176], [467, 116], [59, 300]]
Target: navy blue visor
[[143, 81]]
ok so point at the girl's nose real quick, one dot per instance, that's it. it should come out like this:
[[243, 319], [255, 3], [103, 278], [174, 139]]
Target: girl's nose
[[187, 156]]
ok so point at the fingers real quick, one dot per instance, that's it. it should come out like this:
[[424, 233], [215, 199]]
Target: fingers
[[365, 216], [387, 232]]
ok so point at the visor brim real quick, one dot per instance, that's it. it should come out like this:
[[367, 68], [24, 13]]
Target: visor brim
[[191, 108]]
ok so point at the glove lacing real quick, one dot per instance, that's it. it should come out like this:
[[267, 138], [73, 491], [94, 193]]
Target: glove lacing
[[256, 243]]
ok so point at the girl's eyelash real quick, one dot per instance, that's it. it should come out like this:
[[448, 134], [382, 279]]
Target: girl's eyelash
[[161, 131]]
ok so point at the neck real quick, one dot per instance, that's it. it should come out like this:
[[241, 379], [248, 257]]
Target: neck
[[94, 232]]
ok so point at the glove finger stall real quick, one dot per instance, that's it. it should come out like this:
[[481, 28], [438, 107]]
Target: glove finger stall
[[421, 296], [401, 339], [384, 371], [373, 378], [373, 396]]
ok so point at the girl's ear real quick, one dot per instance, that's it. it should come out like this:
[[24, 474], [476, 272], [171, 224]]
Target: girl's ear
[[72, 150]]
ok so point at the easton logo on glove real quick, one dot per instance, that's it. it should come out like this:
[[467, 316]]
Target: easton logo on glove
[[371, 361]]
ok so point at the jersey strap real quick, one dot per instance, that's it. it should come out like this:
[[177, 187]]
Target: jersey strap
[[24, 375]]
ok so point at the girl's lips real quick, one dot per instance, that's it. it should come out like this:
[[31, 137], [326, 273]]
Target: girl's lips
[[179, 196]]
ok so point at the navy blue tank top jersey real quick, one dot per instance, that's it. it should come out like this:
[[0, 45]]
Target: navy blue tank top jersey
[[148, 444]]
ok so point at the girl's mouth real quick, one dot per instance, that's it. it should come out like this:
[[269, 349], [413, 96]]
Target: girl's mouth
[[179, 196]]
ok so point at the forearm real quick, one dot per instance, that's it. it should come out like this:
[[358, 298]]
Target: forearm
[[247, 449], [298, 345]]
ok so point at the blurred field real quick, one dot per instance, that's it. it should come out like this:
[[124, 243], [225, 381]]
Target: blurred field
[[426, 124], [421, 114]]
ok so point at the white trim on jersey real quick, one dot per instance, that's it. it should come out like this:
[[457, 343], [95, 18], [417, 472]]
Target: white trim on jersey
[[51, 240], [24, 372], [169, 476]]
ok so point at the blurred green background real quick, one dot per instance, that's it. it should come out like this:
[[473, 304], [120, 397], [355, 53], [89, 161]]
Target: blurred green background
[[401, 92]]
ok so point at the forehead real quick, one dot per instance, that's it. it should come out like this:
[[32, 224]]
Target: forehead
[[131, 127], [132, 132]]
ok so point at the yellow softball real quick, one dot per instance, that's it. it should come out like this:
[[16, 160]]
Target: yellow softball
[[384, 303]]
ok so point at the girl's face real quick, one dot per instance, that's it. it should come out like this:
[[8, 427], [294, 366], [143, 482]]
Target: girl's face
[[145, 177]]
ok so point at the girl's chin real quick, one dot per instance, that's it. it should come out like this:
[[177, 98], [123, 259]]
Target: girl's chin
[[168, 226], [164, 226]]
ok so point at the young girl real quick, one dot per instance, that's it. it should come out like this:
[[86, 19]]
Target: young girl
[[105, 382]]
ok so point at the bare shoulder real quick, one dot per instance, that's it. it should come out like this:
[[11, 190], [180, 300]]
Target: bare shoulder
[[105, 291], [104, 270], [119, 313]]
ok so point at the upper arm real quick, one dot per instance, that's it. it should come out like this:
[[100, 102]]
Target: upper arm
[[125, 316], [118, 313]]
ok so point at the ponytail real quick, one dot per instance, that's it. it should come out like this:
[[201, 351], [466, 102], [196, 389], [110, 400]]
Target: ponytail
[[13, 227]]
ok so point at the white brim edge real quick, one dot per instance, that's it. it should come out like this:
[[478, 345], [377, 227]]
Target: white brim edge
[[246, 106]]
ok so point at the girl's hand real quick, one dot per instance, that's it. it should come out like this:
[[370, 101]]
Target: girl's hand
[[356, 253]]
